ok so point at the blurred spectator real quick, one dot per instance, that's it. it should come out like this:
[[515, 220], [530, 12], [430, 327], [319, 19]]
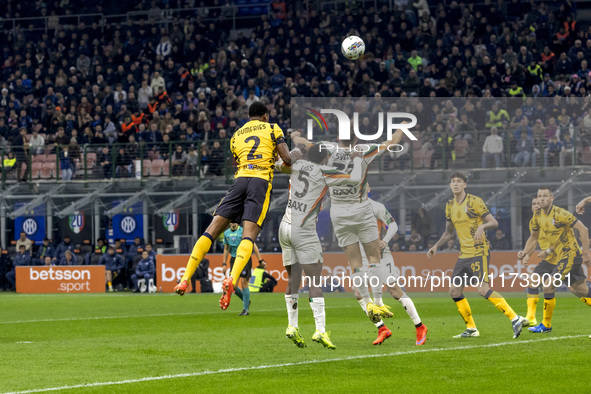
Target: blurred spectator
[[61, 249], [5, 267], [450, 246], [500, 242], [179, 161], [525, 148], [493, 147], [567, 150], [46, 249], [23, 240], [22, 258], [421, 222], [145, 270], [553, 152], [104, 161], [69, 259]]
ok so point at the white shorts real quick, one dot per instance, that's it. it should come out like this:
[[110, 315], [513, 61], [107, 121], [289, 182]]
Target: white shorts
[[354, 223], [299, 244], [387, 262]]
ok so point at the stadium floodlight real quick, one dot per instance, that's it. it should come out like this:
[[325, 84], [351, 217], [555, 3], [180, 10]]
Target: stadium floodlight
[[139, 196], [25, 209], [171, 206], [81, 203], [507, 187]]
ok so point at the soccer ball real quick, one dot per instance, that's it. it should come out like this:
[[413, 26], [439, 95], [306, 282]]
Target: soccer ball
[[353, 47]]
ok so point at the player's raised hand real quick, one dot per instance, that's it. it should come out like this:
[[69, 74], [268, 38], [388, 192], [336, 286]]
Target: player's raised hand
[[432, 252], [525, 260], [355, 154], [520, 254]]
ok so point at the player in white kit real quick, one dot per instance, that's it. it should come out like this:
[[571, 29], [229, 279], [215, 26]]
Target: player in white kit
[[387, 225], [351, 215], [309, 182]]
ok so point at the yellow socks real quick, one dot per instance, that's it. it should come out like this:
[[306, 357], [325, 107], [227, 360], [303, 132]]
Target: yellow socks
[[501, 304], [199, 250], [465, 311], [587, 300], [549, 303], [243, 254], [532, 303]]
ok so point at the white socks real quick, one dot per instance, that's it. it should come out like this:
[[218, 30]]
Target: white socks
[[291, 302], [409, 307], [360, 279], [376, 275], [317, 305]]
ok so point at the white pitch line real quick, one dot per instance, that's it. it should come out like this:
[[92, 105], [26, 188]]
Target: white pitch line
[[148, 315], [230, 370]]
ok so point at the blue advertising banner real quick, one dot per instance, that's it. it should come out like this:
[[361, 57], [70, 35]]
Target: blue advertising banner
[[32, 223], [129, 224]]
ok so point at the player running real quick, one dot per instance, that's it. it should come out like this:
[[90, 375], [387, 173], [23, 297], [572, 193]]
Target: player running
[[389, 227], [232, 239], [469, 216], [543, 269], [556, 225], [254, 146], [299, 241]]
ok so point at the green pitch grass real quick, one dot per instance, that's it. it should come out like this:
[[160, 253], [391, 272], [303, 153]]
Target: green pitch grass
[[58, 341]]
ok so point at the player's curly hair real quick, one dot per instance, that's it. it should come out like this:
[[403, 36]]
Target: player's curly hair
[[257, 109], [316, 154]]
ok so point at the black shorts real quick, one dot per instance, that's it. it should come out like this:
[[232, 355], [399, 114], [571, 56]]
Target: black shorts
[[571, 269], [544, 268], [246, 272], [472, 267], [247, 199]]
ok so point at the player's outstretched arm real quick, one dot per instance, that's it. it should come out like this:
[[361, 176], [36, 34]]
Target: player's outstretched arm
[[447, 235], [297, 139], [580, 208], [584, 237], [284, 154]]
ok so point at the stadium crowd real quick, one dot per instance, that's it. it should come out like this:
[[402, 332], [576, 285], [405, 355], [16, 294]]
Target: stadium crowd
[[172, 87], [167, 91]]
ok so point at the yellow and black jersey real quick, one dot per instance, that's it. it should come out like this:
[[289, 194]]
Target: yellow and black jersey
[[557, 227], [466, 217], [254, 147], [544, 243]]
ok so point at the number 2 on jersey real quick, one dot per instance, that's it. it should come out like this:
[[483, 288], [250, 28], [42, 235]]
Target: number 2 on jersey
[[257, 141]]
